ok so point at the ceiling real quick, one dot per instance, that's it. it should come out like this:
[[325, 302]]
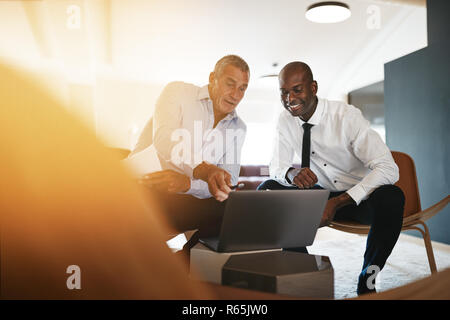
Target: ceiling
[[161, 41], [183, 39], [109, 59]]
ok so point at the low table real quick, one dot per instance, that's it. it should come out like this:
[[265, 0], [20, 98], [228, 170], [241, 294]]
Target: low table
[[275, 271]]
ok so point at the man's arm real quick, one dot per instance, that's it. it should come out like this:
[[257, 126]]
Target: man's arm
[[283, 153], [167, 119], [221, 177], [368, 147], [303, 178], [333, 205], [167, 126], [167, 180], [218, 179]]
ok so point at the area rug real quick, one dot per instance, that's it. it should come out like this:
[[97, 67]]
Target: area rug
[[408, 261]]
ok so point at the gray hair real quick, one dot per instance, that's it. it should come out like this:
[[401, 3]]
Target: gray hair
[[232, 59]]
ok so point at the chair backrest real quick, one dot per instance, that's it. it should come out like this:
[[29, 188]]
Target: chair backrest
[[145, 139], [408, 182]]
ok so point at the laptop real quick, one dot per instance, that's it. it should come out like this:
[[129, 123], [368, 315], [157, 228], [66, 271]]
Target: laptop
[[272, 219]]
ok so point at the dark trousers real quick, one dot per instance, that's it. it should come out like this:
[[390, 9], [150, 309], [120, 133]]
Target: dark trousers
[[185, 212], [383, 211]]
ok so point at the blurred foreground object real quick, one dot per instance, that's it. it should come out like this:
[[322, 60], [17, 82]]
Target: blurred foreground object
[[434, 287], [65, 200]]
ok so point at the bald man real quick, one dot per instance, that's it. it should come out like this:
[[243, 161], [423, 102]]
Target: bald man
[[340, 153]]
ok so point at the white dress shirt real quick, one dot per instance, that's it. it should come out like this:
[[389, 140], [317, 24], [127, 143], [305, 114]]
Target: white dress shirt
[[346, 154], [183, 121]]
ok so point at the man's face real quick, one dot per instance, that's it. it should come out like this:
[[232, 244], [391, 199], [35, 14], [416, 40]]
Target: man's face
[[228, 89], [298, 95]]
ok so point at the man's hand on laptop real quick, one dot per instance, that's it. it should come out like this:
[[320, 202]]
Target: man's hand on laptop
[[218, 179], [167, 180], [328, 213], [303, 178]]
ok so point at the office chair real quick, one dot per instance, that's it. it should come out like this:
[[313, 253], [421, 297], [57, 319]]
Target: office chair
[[413, 215]]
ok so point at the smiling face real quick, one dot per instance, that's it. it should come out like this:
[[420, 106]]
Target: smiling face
[[227, 89], [298, 91]]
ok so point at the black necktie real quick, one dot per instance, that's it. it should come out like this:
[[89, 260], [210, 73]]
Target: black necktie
[[306, 146]]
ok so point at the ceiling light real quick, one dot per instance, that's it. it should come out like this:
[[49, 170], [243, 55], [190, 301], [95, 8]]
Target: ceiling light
[[328, 12]]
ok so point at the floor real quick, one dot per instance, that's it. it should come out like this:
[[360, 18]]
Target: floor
[[407, 263]]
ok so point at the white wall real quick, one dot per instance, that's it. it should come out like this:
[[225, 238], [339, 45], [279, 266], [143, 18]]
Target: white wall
[[112, 68]]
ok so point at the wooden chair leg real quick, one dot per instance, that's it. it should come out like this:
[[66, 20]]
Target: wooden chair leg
[[429, 248], [426, 238]]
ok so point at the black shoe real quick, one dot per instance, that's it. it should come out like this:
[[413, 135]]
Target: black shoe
[[362, 285]]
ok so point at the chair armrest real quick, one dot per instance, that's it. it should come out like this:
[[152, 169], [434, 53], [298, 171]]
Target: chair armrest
[[427, 213]]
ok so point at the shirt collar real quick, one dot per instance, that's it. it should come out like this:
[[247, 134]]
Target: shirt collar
[[203, 93], [317, 115], [231, 115]]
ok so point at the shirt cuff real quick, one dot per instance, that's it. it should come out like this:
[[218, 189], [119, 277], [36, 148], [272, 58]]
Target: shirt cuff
[[199, 189], [280, 176], [291, 174], [357, 193], [188, 170]]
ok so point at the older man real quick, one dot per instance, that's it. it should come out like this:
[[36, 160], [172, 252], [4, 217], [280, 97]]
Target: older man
[[199, 136], [340, 153]]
